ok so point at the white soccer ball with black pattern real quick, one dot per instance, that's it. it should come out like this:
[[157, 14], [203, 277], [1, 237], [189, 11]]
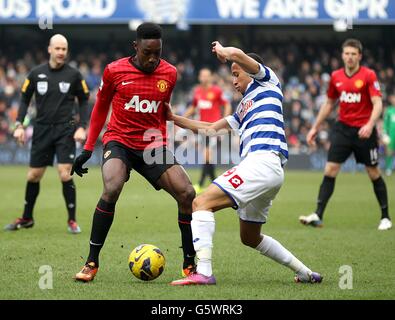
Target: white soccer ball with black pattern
[[146, 262]]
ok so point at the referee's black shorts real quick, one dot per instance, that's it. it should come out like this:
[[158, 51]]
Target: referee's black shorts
[[50, 140], [345, 141]]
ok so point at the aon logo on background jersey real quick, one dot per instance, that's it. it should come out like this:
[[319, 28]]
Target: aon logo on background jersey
[[143, 105], [350, 97]]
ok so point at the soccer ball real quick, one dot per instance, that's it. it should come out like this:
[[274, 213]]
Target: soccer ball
[[146, 262]]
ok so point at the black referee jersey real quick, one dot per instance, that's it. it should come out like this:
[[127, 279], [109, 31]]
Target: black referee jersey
[[55, 91]]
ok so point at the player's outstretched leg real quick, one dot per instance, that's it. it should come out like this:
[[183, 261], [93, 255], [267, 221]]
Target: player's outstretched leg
[[250, 235], [273, 249]]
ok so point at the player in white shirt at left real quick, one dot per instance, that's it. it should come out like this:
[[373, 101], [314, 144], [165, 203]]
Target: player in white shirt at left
[[251, 186]]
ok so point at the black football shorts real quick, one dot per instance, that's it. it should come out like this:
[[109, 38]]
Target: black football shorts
[[345, 141], [50, 140], [151, 164]]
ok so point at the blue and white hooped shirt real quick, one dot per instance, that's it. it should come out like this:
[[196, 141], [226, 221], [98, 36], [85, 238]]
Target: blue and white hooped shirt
[[259, 116]]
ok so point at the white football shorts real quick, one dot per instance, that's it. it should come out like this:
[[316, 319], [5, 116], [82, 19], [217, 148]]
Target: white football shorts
[[253, 184]]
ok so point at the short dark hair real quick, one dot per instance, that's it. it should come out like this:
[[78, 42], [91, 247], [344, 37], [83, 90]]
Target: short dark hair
[[354, 43], [149, 30], [256, 57]]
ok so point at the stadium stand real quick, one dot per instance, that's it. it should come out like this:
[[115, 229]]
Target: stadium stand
[[304, 69]]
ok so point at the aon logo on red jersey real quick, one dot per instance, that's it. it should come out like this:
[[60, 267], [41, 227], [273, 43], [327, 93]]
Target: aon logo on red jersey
[[350, 97], [143, 105]]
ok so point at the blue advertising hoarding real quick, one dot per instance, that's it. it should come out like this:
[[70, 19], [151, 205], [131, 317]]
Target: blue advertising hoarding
[[199, 11]]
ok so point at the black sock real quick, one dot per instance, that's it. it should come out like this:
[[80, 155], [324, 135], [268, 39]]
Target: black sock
[[32, 190], [69, 197], [203, 176], [184, 223], [380, 190], [326, 190], [211, 170], [102, 220]]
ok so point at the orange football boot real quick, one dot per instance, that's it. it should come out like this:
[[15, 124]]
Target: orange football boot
[[87, 273]]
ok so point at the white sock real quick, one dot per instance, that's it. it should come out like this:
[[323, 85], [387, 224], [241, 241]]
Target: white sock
[[203, 227], [273, 249]]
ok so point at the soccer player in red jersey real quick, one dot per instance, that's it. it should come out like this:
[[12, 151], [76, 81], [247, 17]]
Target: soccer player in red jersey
[[358, 91], [137, 88], [208, 99]]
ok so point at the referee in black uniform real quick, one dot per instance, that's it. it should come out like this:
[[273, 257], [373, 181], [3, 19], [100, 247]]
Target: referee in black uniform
[[55, 86]]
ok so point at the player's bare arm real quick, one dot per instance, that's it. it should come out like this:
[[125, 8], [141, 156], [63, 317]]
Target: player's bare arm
[[366, 130], [210, 128], [236, 55], [324, 112]]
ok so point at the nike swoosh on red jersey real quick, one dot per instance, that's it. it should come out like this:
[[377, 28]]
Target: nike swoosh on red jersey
[[125, 83]]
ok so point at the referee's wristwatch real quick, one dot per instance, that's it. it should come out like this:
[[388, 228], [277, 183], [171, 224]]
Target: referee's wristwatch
[[18, 125]]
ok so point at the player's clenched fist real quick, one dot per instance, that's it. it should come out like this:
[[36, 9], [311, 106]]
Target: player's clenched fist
[[219, 50], [79, 162]]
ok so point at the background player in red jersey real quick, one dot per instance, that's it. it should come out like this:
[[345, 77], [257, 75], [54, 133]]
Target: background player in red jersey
[[209, 99], [358, 91], [137, 88]]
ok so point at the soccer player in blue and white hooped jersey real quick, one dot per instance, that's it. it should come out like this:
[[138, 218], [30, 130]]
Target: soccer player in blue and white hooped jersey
[[251, 186]]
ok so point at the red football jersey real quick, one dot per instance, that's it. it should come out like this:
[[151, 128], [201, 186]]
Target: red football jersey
[[209, 102], [354, 94], [137, 100]]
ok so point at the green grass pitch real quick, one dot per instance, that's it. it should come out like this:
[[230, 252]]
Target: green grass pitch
[[349, 237]]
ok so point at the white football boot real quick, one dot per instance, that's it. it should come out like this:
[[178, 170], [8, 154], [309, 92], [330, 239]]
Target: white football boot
[[311, 220], [385, 224]]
